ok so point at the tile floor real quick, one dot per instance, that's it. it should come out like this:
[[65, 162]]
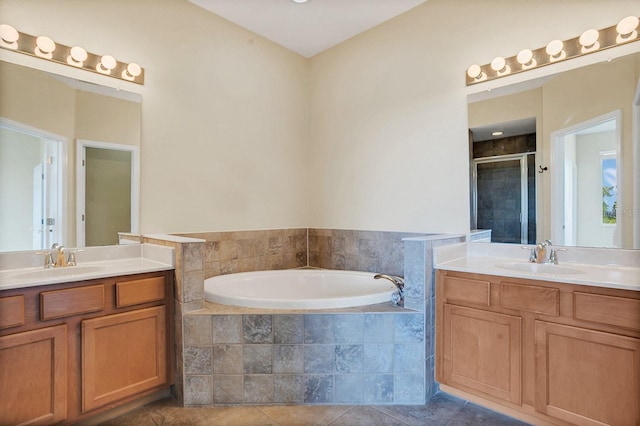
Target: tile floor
[[443, 410]]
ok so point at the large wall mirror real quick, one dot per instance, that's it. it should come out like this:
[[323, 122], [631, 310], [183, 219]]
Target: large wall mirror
[[556, 158], [69, 159]]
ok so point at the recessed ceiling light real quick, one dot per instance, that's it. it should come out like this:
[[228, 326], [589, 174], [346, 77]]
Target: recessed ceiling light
[[498, 133], [299, 1]]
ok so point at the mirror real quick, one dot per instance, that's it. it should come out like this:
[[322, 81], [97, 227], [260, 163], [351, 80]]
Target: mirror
[[45, 121], [588, 105]]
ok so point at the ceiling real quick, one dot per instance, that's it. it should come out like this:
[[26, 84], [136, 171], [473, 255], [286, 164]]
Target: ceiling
[[308, 28]]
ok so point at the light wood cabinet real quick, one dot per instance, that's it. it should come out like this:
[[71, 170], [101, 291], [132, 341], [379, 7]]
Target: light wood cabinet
[[70, 351], [483, 352], [587, 377], [551, 353], [122, 355], [33, 377]]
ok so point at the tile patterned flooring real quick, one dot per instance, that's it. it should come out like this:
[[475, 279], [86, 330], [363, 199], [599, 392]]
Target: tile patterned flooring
[[442, 409]]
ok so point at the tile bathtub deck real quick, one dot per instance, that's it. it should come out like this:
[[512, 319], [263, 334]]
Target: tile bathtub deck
[[442, 409]]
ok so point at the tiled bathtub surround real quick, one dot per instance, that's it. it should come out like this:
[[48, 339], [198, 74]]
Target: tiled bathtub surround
[[214, 368], [325, 358]]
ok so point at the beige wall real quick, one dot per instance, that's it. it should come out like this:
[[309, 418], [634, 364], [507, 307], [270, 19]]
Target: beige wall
[[239, 133]]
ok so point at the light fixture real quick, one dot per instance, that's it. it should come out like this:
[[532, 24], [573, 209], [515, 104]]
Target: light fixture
[[555, 50], [497, 133], [77, 56], [627, 29], [299, 1], [9, 37], [45, 48], [590, 41]]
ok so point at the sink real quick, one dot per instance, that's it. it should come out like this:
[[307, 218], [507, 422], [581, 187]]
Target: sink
[[57, 272], [539, 268]]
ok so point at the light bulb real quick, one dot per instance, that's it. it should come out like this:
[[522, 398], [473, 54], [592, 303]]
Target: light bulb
[[499, 65], [77, 56], [627, 29], [474, 71], [131, 71], [525, 58], [555, 50], [44, 47], [9, 36], [106, 64]]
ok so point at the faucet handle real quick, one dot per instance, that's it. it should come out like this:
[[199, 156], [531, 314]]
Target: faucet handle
[[532, 253], [48, 259], [71, 258], [553, 256]]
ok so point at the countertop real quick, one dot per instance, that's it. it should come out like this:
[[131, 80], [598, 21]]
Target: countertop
[[609, 268], [17, 270]]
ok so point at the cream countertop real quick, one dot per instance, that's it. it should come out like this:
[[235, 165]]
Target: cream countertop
[[25, 269], [610, 268]]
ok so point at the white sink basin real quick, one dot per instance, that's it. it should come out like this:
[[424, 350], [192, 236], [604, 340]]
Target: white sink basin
[[58, 272], [539, 268]]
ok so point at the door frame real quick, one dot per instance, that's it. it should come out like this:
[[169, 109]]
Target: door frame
[[81, 149]]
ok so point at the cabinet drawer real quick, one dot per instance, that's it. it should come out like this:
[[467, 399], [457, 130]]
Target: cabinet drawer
[[11, 311], [612, 310], [466, 290], [542, 300], [134, 292], [72, 301]]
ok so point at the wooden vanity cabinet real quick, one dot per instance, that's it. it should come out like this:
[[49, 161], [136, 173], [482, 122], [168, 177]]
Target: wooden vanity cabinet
[[70, 351], [555, 353]]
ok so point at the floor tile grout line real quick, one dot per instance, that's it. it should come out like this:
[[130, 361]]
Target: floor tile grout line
[[389, 415]]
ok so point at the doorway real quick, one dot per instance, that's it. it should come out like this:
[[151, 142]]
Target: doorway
[[586, 160], [32, 187], [107, 192]]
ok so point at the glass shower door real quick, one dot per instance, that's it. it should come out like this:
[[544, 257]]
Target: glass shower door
[[503, 196]]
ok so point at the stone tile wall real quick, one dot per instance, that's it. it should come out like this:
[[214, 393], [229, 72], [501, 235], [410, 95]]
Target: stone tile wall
[[420, 293], [370, 251], [245, 251], [350, 358]]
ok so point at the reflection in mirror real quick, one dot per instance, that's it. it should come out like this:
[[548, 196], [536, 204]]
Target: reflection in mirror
[[585, 187], [555, 107], [41, 117]]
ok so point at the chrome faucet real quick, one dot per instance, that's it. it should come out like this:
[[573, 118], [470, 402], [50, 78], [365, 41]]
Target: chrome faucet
[[398, 296], [57, 257], [538, 253]]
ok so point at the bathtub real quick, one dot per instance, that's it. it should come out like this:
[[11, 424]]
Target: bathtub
[[298, 289]]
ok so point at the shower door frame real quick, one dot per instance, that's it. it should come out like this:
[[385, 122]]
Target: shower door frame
[[524, 189]]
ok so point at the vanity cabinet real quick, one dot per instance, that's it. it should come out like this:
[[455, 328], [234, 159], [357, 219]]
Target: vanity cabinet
[[70, 351], [549, 352]]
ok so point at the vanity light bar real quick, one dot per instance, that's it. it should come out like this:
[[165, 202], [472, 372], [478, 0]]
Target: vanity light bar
[[590, 41], [74, 56]]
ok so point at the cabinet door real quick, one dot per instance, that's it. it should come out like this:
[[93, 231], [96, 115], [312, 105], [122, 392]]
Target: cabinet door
[[122, 355], [482, 352], [587, 377], [33, 377]]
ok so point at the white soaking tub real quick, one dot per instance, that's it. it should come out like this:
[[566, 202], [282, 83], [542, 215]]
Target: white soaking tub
[[298, 289]]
